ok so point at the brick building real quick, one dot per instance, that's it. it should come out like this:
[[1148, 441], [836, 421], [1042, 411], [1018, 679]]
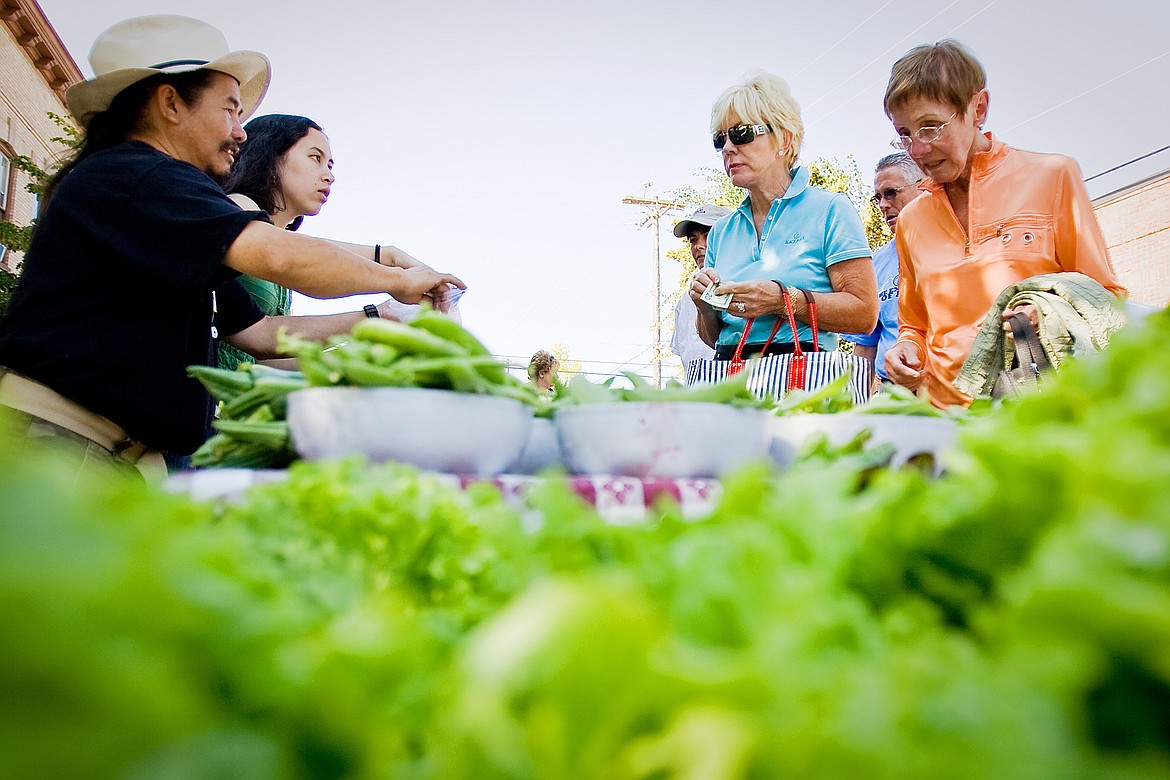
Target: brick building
[[35, 69], [1136, 224]]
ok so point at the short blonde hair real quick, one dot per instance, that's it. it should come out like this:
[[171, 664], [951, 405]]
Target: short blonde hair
[[765, 99], [946, 72]]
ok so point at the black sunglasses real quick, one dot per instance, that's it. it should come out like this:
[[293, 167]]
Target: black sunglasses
[[739, 135]]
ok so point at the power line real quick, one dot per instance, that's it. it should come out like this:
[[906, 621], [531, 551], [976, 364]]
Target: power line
[[1128, 162], [892, 47], [896, 44], [1087, 91], [842, 40]]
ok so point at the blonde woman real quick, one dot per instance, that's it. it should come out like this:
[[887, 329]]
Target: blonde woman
[[786, 236]]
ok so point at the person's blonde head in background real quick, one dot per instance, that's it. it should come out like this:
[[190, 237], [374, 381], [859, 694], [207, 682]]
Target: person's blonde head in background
[[541, 370]]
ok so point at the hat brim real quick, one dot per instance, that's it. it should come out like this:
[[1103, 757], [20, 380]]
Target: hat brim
[[683, 229], [250, 68]]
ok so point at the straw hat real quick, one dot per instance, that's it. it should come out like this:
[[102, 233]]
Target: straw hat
[[142, 47]]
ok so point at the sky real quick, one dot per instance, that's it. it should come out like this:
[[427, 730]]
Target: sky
[[496, 140]]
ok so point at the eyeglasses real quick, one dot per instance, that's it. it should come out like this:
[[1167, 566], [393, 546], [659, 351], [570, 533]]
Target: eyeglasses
[[739, 135], [927, 134], [889, 194]]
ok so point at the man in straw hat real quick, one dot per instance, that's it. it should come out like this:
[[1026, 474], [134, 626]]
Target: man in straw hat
[[129, 275]]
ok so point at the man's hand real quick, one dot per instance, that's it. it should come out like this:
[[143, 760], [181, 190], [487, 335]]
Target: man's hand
[[904, 365], [423, 283], [704, 278]]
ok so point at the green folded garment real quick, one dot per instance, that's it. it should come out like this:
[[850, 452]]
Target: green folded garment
[[1076, 316]]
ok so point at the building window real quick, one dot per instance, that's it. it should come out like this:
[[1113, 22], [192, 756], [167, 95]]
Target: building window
[[5, 183]]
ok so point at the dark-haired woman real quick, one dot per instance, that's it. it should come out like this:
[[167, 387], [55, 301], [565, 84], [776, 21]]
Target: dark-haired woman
[[285, 168]]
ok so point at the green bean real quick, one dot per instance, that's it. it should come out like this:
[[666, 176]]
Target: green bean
[[245, 403], [270, 434], [224, 385], [317, 372], [383, 354], [260, 371], [446, 328], [364, 374], [465, 379], [405, 338]]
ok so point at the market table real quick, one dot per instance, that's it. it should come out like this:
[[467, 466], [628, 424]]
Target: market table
[[618, 499]]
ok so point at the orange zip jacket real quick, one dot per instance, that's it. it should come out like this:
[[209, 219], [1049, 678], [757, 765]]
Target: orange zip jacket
[[1028, 213]]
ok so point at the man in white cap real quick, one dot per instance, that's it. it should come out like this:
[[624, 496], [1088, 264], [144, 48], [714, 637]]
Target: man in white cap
[[694, 228], [129, 277]]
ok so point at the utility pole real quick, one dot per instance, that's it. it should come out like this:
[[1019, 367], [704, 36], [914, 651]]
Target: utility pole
[[655, 210]]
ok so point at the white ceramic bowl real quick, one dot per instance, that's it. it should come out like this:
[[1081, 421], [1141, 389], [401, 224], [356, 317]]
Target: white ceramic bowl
[[436, 430], [541, 451], [661, 439], [911, 435]]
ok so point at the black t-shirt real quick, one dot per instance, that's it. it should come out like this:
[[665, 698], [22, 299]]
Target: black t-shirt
[[115, 297]]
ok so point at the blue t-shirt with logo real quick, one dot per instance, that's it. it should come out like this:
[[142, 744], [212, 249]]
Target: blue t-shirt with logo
[[885, 333], [807, 230]]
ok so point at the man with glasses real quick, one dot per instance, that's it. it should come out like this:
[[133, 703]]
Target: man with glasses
[[694, 228], [894, 186]]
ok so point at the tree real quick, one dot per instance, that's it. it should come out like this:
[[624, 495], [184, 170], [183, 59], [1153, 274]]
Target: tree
[[835, 176], [17, 237], [566, 366]]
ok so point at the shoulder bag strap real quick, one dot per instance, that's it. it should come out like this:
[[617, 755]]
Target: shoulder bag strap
[[812, 319], [737, 362], [1029, 351], [797, 365]]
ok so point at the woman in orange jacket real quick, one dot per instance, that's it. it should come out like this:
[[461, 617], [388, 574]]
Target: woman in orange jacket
[[990, 216]]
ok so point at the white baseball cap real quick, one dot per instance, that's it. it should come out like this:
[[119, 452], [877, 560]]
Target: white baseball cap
[[704, 216]]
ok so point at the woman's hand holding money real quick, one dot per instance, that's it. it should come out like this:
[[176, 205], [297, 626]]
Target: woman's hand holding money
[[752, 299]]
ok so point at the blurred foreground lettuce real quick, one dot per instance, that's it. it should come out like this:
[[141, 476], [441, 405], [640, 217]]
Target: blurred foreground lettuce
[[1008, 620]]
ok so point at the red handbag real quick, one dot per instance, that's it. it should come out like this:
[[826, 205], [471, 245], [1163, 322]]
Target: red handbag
[[795, 379]]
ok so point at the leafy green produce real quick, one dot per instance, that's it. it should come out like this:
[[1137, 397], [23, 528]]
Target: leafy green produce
[[1009, 619], [251, 428]]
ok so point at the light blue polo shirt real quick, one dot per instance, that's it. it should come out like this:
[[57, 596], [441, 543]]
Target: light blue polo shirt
[[807, 230], [885, 266]]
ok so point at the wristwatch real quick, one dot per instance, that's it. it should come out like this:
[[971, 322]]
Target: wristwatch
[[371, 311]]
